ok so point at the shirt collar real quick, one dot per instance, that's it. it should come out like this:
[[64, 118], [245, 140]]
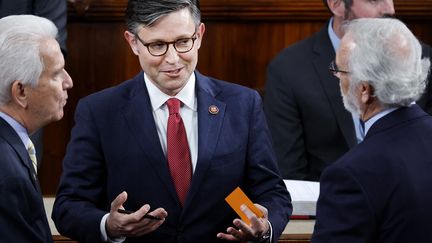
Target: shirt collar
[[376, 117], [19, 129], [333, 37], [186, 95]]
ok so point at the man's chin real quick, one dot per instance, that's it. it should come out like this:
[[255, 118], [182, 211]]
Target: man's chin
[[351, 108], [57, 117]]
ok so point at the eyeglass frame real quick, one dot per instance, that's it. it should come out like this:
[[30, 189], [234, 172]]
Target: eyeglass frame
[[335, 69], [193, 38]]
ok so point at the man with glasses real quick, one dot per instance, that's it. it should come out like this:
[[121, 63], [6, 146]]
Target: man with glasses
[[310, 127], [153, 159], [379, 191]]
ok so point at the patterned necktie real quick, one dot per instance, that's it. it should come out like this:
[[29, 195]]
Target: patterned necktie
[[179, 159], [32, 153]]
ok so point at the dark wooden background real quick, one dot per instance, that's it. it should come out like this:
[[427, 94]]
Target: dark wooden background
[[241, 38]]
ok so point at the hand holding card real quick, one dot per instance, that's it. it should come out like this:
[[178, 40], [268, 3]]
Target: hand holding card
[[237, 198]]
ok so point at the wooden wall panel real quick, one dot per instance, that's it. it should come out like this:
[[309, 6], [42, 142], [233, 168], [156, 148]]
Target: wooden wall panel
[[241, 38], [240, 52]]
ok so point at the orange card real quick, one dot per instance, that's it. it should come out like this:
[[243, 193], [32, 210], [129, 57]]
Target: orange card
[[237, 198]]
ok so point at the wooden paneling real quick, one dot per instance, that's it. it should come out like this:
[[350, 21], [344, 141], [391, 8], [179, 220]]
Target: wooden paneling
[[241, 38], [235, 10], [61, 239]]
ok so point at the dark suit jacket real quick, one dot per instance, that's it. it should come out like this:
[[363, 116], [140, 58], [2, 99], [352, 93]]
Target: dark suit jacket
[[380, 190], [310, 126], [304, 108], [22, 213], [115, 147]]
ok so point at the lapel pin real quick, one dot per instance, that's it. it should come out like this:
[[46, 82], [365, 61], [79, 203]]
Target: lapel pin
[[213, 109]]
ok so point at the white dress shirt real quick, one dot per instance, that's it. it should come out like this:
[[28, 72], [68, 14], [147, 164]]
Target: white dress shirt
[[188, 112]]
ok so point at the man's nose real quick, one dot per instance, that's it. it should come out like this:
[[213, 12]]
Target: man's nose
[[387, 8]]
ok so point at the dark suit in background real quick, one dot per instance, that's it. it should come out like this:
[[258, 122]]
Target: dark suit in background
[[380, 190], [115, 147], [303, 104], [22, 213], [54, 10]]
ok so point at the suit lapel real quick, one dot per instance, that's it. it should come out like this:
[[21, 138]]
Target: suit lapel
[[139, 117], [209, 129], [9, 134], [330, 84]]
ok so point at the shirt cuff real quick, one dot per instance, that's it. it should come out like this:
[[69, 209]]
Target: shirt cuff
[[104, 233]]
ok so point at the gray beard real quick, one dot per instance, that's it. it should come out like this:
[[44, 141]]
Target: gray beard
[[351, 103]]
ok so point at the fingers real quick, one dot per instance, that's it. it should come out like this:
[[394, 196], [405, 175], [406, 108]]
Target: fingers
[[262, 209], [145, 225], [118, 201], [257, 228], [258, 225], [159, 212], [228, 236], [132, 224], [141, 225], [139, 214]]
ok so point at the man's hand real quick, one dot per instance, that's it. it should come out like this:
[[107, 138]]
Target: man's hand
[[245, 232], [134, 224]]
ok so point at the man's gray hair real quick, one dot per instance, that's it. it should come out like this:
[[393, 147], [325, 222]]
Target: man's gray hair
[[20, 40], [387, 56], [147, 12]]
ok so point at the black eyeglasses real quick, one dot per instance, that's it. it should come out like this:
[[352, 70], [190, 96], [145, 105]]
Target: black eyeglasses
[[334, 68], [159, 48]]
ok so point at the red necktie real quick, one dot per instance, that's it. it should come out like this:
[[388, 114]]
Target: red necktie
[[179, 159]]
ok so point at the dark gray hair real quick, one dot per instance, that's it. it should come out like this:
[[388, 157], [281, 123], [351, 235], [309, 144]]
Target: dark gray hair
[[147, 12], [387, 56], [20, 40]]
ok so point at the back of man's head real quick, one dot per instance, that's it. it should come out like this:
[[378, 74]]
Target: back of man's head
[[388, 56], [20, 38]]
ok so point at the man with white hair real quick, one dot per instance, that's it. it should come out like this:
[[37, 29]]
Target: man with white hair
[[310, 127], [33, 92], [380, 190]]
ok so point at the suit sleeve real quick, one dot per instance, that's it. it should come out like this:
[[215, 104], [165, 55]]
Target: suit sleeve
[[344, 213], [285, 125], [266, 185], [22, 216], [82, 194]]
